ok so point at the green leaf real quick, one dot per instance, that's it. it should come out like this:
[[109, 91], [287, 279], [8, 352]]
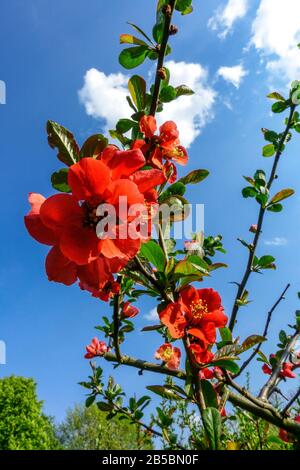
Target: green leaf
[[209, 394], [198, 263], [281, 195], [124, 125], [279, 107], [174, 190], [226, 334], [229, 351], [251, 341], [194, 177], [157, 32], [184, 90], [133, 56], [59, 180], [164, 392], [270, 136], [90, 400], [265, 261], [153, 253], [103, 406], [93, 146], [137, 90], [129, 39], [263, 357], [276, 96], [249, 191], [227, 364], [212, 424], [59, 137], [275, 208], [268, 150], [167, 94], [139, 30], [179, 208], [184, 6]]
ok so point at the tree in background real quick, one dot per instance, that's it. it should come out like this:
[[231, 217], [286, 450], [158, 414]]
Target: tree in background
[[23, 425], [88, 429]]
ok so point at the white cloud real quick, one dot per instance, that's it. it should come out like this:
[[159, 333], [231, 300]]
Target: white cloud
[[104, 97], [224, 18], [191, 113], [152, 315], [233, 74], [276, 241], [275, 34]]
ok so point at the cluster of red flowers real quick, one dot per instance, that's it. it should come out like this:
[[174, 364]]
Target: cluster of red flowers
[[286, 370], [67, 222], [161, 150], [196, 314]]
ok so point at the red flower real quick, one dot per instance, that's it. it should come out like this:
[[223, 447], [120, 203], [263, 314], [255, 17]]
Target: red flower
[[285, 435], [199, 312], [165, 146], [287, 369], [201, 355], [129, 311], [97, 278], [206, 373], [170, 355], [96, 348], [266, 369], [69, 221]]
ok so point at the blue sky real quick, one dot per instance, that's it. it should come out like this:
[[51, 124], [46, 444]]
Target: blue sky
[[47, 48]]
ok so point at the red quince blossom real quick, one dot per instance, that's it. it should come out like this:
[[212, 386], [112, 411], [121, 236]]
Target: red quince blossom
[[285, 435], [67, 222], [286, 370], [163, 149], [170, 355], [198, 312], [96, 348], [129, 311], [207, 373], [201, 355]]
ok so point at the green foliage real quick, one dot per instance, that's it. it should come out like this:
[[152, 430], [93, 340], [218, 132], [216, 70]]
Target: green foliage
[[59, 137], [23, 425], [89, 429]]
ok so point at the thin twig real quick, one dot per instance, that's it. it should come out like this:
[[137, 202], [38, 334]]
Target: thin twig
[[262, 211], [155, 283], [269, 317], [290, 403]]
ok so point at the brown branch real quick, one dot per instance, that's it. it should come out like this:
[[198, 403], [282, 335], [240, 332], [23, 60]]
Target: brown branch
[[169, 10], [267, 388], [269, 317], [261, 216], [243, 402]]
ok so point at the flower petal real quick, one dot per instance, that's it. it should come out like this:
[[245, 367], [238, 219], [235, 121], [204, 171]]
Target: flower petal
[[148, 179], [123, 163], [88, 179], [59, 268], [80, 244], [60, 210]]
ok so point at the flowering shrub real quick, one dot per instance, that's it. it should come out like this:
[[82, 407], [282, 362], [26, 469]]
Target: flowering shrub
[[100, 229]]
